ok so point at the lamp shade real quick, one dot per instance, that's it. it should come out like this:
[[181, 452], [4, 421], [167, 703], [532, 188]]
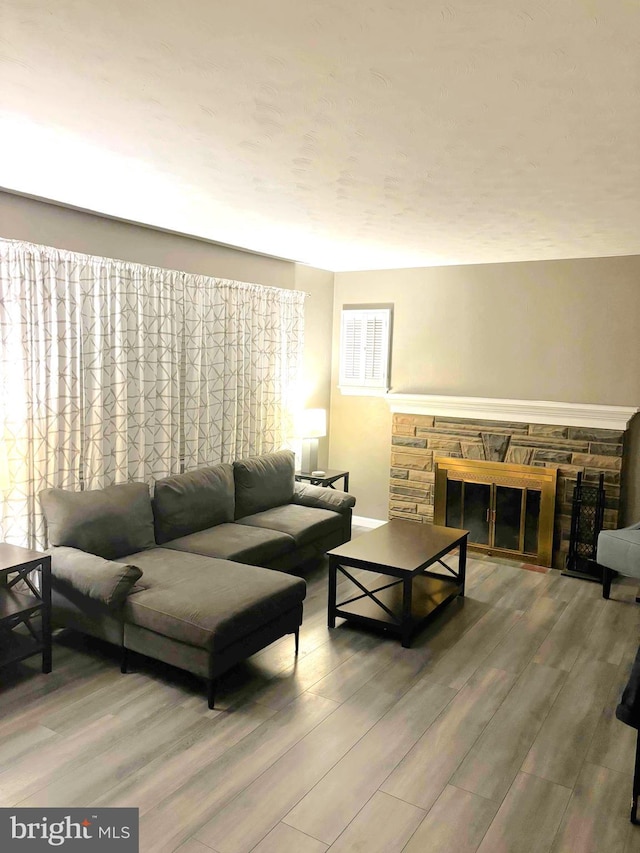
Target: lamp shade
[[313, 423]]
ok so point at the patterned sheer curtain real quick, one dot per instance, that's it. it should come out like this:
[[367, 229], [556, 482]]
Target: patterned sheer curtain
[[89, 372], [243, 352], [112, 371]]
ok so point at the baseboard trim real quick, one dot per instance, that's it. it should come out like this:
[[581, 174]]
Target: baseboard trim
[[363, 521]]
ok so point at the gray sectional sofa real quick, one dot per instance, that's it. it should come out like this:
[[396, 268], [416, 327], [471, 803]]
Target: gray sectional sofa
[[196, 577]]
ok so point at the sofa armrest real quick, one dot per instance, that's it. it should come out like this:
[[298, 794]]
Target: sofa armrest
[[100, 580], [317, 496]]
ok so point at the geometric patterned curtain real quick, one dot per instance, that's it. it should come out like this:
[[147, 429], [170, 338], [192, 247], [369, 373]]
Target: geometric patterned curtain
[[113, 371], [243, 354]]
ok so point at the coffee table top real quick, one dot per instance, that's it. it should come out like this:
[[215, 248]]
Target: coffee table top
[[399, 544]]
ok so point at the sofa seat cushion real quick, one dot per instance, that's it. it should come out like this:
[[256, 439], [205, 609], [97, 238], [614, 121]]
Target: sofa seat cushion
[[304, 524], [206, 602], [236, 542]]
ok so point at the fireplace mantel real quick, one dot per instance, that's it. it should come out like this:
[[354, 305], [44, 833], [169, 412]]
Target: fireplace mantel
[[519, 411]]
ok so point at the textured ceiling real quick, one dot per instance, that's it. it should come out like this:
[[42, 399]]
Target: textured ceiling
[[349, 135]]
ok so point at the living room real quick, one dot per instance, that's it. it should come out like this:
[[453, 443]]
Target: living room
[[489, 204]]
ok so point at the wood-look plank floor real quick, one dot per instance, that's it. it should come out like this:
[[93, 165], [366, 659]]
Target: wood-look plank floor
[[494, 733]]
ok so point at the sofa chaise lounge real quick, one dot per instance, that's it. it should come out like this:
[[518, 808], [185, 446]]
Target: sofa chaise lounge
[[196, 577]]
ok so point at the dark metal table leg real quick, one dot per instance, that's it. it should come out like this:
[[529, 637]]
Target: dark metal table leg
[[462, 564], [407, 589], [636, 784], [45, 592], [331, 602]]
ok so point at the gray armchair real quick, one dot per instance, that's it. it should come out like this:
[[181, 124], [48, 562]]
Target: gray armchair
[[619, 551]]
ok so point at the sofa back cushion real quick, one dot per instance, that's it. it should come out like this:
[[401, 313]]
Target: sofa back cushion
[[263, 482], [186, 503], [111, 522]]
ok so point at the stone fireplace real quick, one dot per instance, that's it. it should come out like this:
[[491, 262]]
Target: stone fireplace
[[426, 428]]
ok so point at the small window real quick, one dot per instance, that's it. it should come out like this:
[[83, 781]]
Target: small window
[[365, 336]]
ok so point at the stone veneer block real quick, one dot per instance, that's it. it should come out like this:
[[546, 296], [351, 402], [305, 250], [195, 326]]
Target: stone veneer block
[[422, 476], [415, 492], [444, 444], [495, 446], [403, 429], [592, 475], [402, 506], [597, 461], [415, 420], [549, 431], [551, 456], [472, 449], [399, 474], [519, 455], [406, 460], [551, 443], [605, 449], [408, 441], [610, 436]]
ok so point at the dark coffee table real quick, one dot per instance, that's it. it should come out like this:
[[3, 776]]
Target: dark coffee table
[[403, 550]]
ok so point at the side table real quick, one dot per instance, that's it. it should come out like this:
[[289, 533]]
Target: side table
[[25, 600], [327, 480]]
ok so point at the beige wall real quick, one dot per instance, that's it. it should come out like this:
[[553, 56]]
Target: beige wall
[[52, 225], [546, 330]]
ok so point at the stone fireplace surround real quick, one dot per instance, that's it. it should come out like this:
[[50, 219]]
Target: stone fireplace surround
[[565, 436]]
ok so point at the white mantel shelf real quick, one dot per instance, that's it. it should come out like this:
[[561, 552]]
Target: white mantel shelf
[[520, 411]]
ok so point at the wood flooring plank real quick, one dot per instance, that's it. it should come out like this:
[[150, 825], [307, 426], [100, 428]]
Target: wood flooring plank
[[426, 770], [384, 825], [497, 584], [477, 572], [312, 669], [493, 762], [522, 591], [613, 744], [265, 802], [208, 790], [524, 639], [286, 839], [561, 744], [193, 846], [568, 637], [185, 758], [27, 775], [334, 802], [597, 818], [348, 677], [528, 818], [456, 666], [135, 749], [612, 630], [23, 742], [457, 823]]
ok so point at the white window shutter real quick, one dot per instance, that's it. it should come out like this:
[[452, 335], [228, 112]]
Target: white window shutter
[[364, 349]]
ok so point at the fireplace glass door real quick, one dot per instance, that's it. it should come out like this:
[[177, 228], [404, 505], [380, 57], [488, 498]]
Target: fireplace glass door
[[502, 514]]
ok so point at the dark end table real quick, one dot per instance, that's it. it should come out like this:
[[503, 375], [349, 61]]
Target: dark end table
[[405, 551], [25, 599], [327, 480]]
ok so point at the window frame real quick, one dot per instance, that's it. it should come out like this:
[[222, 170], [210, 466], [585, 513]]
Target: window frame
[[379, 384]]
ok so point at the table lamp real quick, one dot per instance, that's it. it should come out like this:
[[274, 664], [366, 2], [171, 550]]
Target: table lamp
[[313, 425]]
